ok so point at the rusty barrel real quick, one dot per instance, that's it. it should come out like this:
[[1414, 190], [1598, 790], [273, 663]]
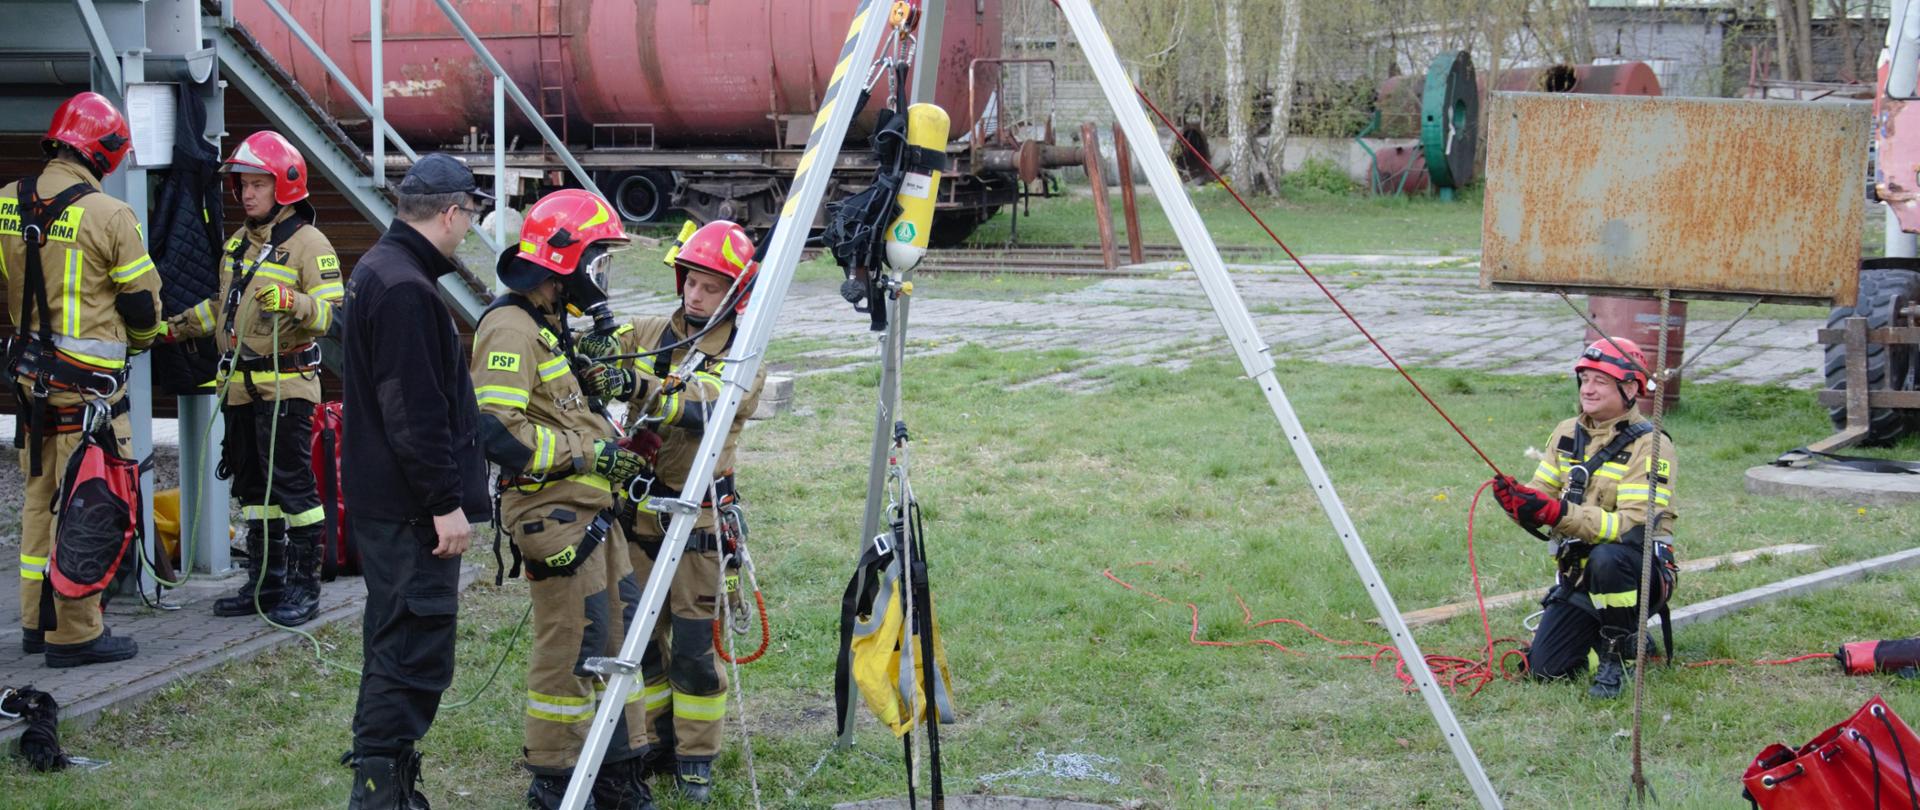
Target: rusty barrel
[[1638, 320]]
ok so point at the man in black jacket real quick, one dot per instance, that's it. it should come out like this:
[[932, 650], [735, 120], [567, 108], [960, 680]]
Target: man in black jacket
[[419, 477]]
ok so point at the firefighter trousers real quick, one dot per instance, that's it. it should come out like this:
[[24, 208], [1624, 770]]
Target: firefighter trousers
[[1604, 604], [576, 617], [251, 435], [686, 688], [65, 621]]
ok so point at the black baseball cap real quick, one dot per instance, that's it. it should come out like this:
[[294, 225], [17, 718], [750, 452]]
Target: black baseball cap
[[440, 173]]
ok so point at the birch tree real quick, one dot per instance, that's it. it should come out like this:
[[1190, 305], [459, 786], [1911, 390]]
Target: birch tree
[[1286, 65], [1240, 168]]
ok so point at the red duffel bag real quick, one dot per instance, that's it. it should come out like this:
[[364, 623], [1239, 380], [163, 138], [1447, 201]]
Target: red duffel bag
[[1865, 762]]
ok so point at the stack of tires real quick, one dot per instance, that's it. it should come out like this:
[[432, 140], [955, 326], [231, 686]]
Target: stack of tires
[[1887, 286]]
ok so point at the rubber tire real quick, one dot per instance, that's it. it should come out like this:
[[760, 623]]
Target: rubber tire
[[631, 191], [1889, 368]]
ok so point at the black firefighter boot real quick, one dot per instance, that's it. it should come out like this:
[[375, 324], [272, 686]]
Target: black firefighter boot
[[695, 780], [547, 791], [622, 786], [1608, 677], [266, 539], [300, 602], [387, 783]]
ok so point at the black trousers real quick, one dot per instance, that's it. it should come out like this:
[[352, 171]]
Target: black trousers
[[1571, 629], [251, 434], [408, 634]]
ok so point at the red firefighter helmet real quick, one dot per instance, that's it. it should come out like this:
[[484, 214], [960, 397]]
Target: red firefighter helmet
[[718, 247], [266, 152], [89, 123], [560, 229], [1606, 356]]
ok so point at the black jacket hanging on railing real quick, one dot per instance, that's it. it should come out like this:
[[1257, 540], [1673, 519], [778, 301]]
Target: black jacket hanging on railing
[[185, 245]]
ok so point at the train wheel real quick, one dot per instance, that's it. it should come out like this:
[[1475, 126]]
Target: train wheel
[[643, 196]]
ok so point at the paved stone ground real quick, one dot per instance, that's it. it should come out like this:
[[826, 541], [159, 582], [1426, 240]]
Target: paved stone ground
[[1427, 310]]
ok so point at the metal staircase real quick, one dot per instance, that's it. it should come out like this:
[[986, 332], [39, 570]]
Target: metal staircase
[[249, 68]]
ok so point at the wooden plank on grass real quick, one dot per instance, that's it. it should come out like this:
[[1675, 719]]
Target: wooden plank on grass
[[1817, 581], [1441, 613]]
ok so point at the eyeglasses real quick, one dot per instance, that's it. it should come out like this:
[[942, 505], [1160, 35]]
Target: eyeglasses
[[475, 212]]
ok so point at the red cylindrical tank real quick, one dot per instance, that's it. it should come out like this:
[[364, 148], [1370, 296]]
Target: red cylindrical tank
[[1399, 97], [1638, 320], [700, 72], [1620, 79]]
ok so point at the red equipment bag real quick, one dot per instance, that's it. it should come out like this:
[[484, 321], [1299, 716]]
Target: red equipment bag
[[1865, 762], [98, 507], [339, 557], [1900, 657]]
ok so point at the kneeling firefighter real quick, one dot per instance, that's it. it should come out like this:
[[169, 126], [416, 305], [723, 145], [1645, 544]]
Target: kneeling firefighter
[[279, 289], [686, 689], [1595, 494], [84, 296], [560, 465]]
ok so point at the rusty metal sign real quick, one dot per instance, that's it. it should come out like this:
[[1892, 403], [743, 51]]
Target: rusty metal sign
[[1709, 198]]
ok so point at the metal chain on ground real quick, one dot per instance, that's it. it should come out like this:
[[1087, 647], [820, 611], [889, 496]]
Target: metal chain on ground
[[1641, 788]]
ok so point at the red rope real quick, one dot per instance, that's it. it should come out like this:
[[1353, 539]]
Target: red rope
[[766, 634], [1315, 279], [1455, 672]]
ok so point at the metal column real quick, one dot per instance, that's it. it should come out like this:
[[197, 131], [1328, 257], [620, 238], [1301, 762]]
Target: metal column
[[755, 329], [379, 94], [1903, 69], [1256, 358], [893, 344]]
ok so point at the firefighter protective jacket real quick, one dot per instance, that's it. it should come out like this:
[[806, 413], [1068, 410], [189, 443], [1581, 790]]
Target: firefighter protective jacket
[[683, 413], [1618, 495], [93, 256], [537, 423], [305, 264]]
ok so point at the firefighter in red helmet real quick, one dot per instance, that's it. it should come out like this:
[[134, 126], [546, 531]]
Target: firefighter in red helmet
[[280, 285], [84, 296], [1594, 495], [686, 689], [561, 467]]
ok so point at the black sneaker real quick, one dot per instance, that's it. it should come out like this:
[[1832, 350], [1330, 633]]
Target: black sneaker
[[33, 642], [105, 649]]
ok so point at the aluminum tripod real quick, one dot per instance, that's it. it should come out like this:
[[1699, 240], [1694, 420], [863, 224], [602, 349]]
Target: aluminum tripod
[[756, 329], [777, 274]]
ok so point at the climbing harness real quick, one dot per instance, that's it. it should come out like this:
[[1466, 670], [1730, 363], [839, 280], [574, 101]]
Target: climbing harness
[[890, 647]]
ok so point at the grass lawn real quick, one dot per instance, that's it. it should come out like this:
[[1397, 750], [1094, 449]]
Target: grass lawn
[[1029, 496], [1315, 223]]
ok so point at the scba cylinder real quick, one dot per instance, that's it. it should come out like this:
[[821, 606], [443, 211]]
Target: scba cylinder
[[927, 141]]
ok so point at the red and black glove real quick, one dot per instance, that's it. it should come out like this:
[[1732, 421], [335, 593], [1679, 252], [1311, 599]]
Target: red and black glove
[[1528, 507]]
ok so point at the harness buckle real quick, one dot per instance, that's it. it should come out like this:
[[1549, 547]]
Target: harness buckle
[[33, 234], [672, 506], [610, 667]]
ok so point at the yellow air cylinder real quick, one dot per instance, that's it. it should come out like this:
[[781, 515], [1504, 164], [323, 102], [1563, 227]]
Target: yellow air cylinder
[[686, 232], [907, 237]]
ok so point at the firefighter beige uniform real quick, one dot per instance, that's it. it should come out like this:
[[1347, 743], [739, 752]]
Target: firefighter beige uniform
[[522, 379], [94, 254], [1618, 499], [307, 265], [686, 689]]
